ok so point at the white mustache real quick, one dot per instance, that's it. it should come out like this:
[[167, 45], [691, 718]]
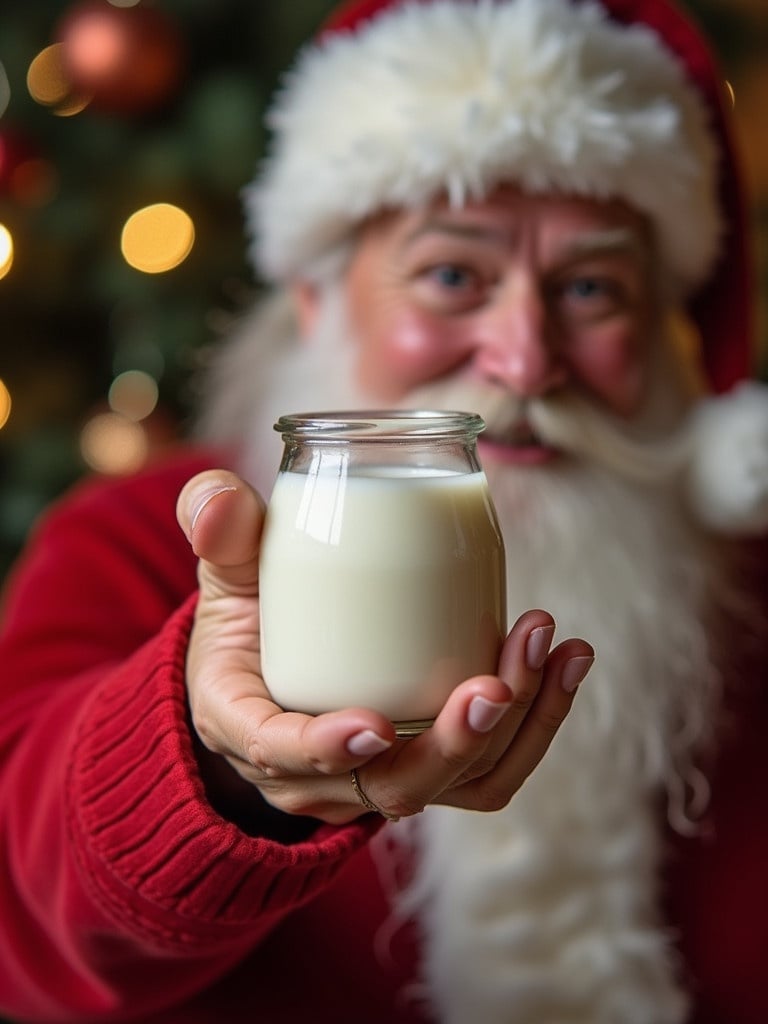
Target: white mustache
[[568, 422], [571, 424]]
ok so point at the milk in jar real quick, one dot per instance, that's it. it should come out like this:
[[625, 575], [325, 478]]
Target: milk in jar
[[382, 573]]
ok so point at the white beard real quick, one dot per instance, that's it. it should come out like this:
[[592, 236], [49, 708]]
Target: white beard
[[547, 912]]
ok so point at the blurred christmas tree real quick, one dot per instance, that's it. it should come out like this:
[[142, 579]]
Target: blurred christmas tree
[[107, 108], [104, 109]]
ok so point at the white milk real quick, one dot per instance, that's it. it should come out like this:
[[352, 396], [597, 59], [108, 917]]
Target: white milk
[[383, 590]]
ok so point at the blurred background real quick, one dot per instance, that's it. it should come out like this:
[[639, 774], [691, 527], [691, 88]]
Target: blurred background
[[124, 122]]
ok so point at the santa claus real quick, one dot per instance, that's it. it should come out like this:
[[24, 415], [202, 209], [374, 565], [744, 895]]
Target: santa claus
[[530, 209]]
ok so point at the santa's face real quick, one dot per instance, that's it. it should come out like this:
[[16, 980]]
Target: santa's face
[[528, 294]]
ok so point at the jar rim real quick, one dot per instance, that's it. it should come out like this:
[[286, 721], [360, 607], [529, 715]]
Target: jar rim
[[380, 424]]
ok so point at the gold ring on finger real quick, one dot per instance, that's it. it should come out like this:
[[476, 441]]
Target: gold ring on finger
[[369, 804]]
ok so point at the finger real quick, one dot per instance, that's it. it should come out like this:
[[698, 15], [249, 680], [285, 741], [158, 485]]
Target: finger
[[400, 781], [410, 775], [222, 517], [263, 741], [520, 666], [564, 670]]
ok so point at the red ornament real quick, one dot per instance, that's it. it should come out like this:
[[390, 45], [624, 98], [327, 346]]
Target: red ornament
[[129, 59], [17, 150]]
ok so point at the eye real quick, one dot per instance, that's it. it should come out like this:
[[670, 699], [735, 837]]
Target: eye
[[588, 297], [450, 287], [586, 288], [451, 276]]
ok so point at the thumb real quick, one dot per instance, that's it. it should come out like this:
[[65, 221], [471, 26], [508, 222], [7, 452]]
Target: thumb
[[222, 517]]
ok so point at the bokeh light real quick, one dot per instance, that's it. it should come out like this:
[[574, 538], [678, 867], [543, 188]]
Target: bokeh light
[[5, 404], [50, 84], [99, 45], [128, 57], [34, 182], [6, 250], [157, 238], [133, 394], [26, 174], [113, 445]]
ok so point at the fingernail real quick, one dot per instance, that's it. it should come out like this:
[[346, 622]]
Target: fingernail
[[484, 714], [201, 500], [367, 743], [537, 647], [574, 671]]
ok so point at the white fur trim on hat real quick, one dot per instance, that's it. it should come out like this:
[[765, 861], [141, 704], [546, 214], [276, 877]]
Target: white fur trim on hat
[[458, 97]]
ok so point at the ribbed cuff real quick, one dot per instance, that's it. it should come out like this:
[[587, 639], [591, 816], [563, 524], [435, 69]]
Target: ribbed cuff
[[153, 852]]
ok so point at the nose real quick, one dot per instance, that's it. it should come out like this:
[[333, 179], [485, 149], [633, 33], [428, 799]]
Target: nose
[[516, 347]]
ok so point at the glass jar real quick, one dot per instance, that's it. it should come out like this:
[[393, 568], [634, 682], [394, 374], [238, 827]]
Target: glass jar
[[382, 570]]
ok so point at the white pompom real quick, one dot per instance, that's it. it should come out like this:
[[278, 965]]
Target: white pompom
[[728, 481]]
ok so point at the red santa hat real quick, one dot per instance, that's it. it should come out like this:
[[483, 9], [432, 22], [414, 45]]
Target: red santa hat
[[399, 100]]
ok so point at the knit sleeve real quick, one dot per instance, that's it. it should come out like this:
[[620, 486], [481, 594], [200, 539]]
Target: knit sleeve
[[114, 865]]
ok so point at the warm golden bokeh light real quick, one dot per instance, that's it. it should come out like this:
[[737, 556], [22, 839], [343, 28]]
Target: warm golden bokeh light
[[5, 404], [71, 106], [47, 81], [157, 238], [113, 445], [50, 85], [133, 394], [6, 250]]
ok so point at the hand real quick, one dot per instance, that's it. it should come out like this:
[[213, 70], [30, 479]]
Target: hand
[[489, 736]]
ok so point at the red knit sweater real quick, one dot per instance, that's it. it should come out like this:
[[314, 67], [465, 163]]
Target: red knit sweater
[[124, 896]]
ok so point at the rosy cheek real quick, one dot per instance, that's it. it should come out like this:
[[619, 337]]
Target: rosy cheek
[[612, 369], [406, 355]]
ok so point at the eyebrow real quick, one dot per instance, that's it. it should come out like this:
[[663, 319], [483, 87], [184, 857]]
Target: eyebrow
[[474, 232], [589, 243], [608, 240]]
